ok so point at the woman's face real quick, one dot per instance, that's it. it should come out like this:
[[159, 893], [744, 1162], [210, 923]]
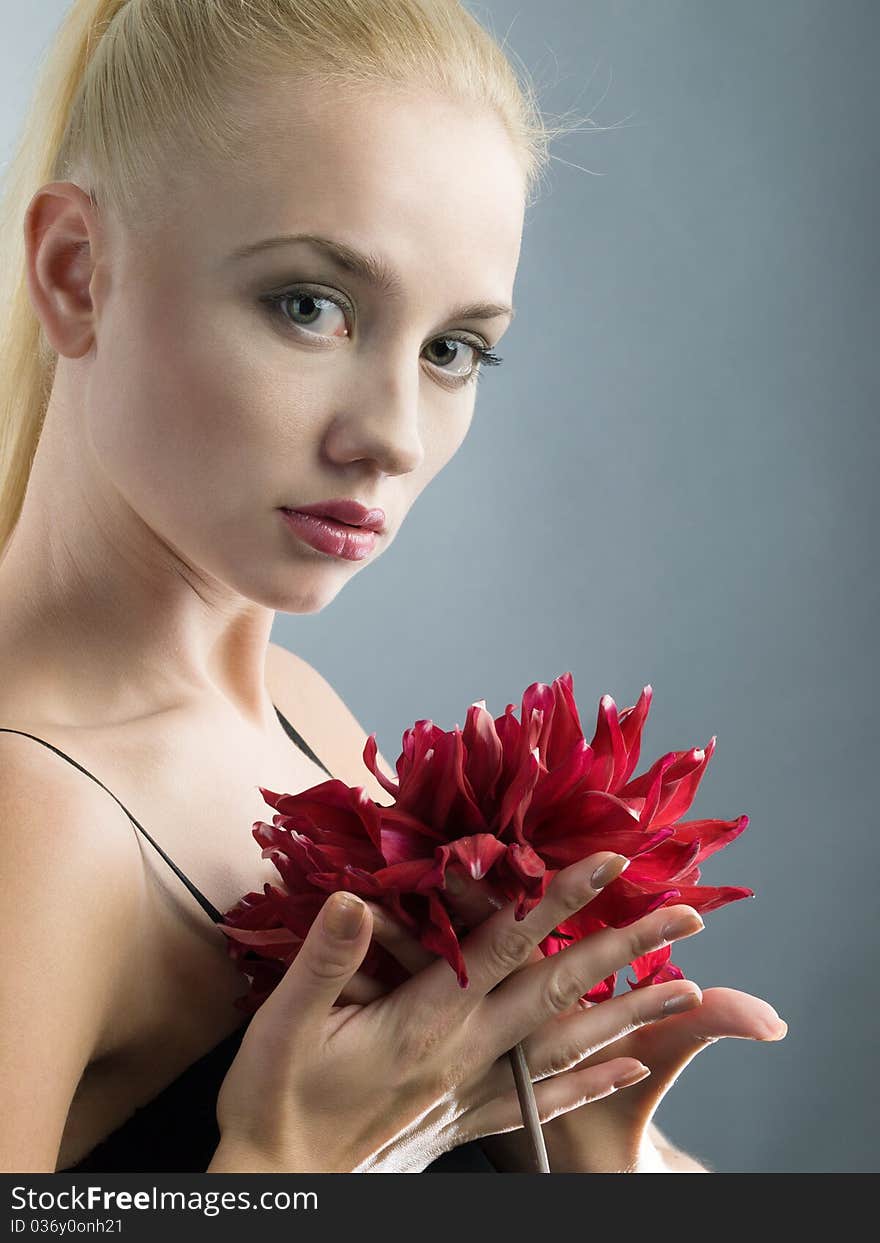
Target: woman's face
[[209, 408]]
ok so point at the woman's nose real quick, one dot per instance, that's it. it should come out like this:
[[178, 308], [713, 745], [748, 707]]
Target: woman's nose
[[381, 420]]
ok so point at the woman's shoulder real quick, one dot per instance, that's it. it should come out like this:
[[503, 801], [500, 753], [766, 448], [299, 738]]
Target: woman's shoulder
[[43, 796], [319, 712], [72, 888]]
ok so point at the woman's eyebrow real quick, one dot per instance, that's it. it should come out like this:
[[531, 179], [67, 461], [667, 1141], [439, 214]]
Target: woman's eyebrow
[[369, 267]]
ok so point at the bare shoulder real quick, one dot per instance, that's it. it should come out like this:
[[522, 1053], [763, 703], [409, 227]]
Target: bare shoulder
[[69, 927], [42, 789], [324, 719], [64, 832]]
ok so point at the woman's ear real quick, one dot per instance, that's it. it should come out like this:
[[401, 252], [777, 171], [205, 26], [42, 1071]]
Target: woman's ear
[[60, 231]]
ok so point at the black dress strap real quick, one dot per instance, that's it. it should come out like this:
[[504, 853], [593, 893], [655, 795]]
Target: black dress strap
[[199, 897], [300, 741], [203, 902]]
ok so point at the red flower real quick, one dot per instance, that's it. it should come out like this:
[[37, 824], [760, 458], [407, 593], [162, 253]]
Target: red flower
[[510, 802]]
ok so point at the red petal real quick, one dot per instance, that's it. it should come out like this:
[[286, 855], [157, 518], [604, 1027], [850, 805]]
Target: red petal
[[553, 944], [352, 879], [527, 901], [559, 851], [370, 754], [622, 903], [524, 862], [536, 714], [603, 991], [404, 877], [517, 797], [476, 854], [609, 748], [439, 937], [404, 824], [709, 898], [654, 968], [484, 753], [276, 937], [556, 787], [667, 862], [631, 721], [453, 798], [680, 782], [713, 835], [566, 728], [647, 807], [524, 878]]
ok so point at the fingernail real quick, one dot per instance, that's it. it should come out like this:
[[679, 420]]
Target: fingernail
[[779, 1033], [608, 871], [682, 1002], [631, 1077], [343, 915], [682, 926]]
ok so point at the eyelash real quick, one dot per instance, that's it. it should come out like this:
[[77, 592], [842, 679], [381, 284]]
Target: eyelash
[[275, 301]]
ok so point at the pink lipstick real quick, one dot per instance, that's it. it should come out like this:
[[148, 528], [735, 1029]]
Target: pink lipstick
[[337, 539], [341, 509]]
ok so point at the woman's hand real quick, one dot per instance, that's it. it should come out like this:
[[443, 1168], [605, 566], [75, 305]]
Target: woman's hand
[[616, 1134], [392, 1084], [613, 1133]]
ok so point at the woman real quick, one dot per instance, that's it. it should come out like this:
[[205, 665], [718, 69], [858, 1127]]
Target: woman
[[265, 252]]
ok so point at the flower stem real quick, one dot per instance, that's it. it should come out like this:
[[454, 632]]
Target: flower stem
[[529, 1109]]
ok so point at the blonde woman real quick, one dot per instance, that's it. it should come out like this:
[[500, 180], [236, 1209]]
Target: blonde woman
[[256, 256]]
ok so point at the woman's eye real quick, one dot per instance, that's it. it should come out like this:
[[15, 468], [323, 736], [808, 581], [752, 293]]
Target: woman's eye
[[307, 312], [320, 315], [464, 357]]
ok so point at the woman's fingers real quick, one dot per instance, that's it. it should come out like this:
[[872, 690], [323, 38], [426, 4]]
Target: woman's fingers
[[400, 943], [528, 998], [725, 1012], [559, 1045], [669, 1046], [730, 1012], [324, 966], [361, 990], [555, 1096], [572, 1037], [470, 904], [502, 944], [408, 950]]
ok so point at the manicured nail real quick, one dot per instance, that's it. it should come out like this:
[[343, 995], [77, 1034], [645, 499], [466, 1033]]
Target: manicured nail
[[682, 1002], [682, 926], [779, 1033], [631, 1077], [343, 915], [608, 871]]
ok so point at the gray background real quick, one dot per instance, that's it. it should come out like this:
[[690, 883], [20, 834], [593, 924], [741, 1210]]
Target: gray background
[[672, 480]]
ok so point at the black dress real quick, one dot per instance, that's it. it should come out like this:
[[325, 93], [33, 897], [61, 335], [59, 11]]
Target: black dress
[[177, 1131]]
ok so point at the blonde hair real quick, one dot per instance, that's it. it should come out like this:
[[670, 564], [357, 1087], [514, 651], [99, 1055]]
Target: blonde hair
[[133, 88]]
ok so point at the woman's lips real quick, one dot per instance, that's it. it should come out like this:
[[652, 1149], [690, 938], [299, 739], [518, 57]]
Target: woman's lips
[[337, 539]]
